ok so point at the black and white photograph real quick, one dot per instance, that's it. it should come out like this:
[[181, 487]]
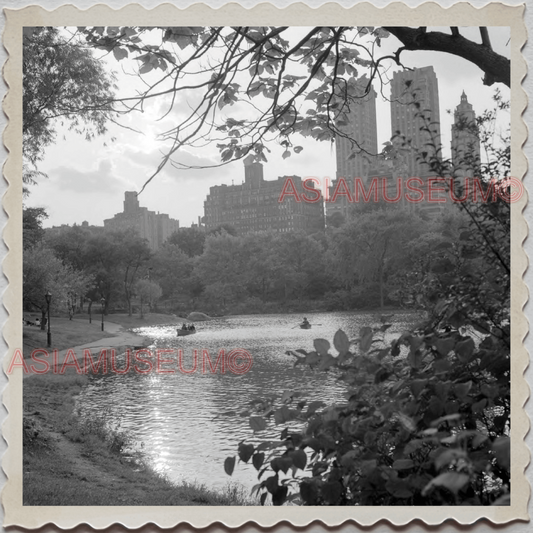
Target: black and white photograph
[[270, 266]]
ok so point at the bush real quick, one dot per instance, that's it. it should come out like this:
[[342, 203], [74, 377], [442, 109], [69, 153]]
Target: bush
[[426, 423]]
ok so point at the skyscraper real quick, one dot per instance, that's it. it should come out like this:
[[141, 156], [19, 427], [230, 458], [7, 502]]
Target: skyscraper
[[465, 140], [415, 117], [356, 151]]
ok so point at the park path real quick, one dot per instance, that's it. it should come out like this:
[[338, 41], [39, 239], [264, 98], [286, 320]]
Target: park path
[[121, 339]]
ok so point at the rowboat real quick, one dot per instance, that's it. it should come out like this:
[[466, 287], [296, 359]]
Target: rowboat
[[184, 332], [305, 326]]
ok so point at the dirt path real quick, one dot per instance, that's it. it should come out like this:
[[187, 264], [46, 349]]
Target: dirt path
[[122, 339]]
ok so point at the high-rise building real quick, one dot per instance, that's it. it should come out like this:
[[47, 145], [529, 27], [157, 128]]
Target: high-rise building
[[357, 149], [261, 205], [156, 228], [465, 140], [415, 118]]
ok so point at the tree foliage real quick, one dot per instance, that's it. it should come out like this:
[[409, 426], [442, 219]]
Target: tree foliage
[[426, 419], [63, 83], [267, 84]]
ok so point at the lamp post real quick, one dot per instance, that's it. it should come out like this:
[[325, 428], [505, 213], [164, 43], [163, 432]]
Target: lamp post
[[48, 298], [102, 301]]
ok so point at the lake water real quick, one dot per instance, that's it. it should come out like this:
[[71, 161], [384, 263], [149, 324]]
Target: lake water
[[187, 424]]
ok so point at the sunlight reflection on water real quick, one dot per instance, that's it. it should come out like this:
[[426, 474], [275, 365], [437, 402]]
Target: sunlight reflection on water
[[179, 419]]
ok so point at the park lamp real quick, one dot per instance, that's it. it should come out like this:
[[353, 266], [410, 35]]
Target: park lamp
[[102, 301], [48, 298]]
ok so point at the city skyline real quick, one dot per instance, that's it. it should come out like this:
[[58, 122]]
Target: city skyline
[[87, 180]]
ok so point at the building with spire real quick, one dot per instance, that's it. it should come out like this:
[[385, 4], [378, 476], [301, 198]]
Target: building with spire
[[263, 205], [156, 228], [465, 140], [415, 117]]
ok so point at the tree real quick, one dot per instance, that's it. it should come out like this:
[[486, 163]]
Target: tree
[[284, 83], [42, 272], [189, 240], [32, 226], [173, 268], [369, 247], [221, 266], [147, 291], [62, 81]]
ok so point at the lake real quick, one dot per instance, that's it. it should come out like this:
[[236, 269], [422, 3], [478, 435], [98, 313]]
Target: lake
[[185, 425]]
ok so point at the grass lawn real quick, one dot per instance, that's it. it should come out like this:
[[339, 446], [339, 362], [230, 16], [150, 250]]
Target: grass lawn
[[68, 461], [65, 334]]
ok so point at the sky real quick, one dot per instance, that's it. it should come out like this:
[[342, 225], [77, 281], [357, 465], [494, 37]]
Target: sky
[[87, 179]]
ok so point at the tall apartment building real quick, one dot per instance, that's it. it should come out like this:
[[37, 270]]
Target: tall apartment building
[[355, 153], [465, 140], [156, 228], [255, 204], [415, 117]]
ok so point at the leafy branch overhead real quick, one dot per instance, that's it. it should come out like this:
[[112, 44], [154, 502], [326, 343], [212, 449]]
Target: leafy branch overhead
[[245, 87]]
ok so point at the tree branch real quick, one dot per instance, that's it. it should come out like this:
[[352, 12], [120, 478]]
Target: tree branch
[[496, 67]]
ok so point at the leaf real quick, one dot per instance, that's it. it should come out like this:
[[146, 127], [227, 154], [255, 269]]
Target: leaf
[[147, 67], [341, 342], [229, 465], [462, 389], [365, 339], [465, 350], [245, 451], [299, 459], [403, 464], [258, 459], [453, 481], [282, 415], [417, 386], [331, 492], [314, 406], [399, 488], [502, 450], [297, 149], [309, 492], [444, 346], [448, 418], [286, 154], [448, 456], [257, 423], [321, 346], [120, 53]]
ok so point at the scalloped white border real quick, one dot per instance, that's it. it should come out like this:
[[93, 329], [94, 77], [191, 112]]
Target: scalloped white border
[[264, 14]]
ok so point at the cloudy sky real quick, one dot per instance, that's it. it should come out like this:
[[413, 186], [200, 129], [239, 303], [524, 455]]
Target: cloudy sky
[[87, 180]]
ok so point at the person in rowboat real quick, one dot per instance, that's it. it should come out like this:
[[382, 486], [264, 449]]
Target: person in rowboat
[[305, 322]]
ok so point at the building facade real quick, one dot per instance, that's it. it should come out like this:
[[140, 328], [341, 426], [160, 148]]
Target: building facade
[[356, 151], [261, 205], [465, 140], [415, 117], [156, 228]]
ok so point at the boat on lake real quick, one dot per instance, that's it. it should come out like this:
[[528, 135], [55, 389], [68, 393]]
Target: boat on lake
[[184, 332], [305, 326]]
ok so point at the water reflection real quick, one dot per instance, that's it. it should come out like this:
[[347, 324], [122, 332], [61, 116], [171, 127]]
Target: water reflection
[[182, 421]]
